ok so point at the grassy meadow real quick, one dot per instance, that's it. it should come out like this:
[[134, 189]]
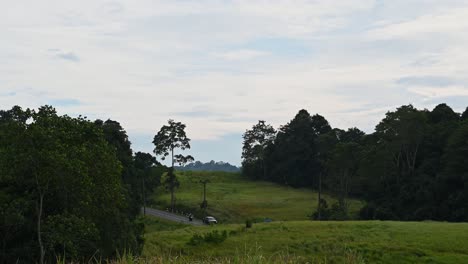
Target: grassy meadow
[[233, 199], [292, 237], [317, 242]]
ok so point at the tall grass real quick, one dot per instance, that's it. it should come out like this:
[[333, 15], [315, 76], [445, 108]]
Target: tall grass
[[246, 256]]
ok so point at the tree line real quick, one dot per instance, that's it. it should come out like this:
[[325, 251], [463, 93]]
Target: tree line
[[208, 166], [413, 167], [69, 187]]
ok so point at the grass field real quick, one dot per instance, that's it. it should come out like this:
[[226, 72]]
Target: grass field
[[319, 242], [291, 237], [233, 199]]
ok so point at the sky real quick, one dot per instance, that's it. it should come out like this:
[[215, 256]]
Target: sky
[[220, 66]]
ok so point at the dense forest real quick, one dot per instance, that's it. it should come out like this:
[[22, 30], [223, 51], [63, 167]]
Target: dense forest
[[208, 166], [69, 187], [413, 167]]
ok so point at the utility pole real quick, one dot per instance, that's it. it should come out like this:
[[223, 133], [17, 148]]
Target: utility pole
[[204, 204], [144, 194], [319, 208]]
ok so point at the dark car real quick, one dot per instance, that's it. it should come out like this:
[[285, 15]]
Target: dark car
[[210, 220]]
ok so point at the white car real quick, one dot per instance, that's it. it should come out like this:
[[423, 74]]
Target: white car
[[210, 220]]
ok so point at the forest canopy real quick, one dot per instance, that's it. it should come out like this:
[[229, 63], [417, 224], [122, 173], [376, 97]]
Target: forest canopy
[[69, 187], [413, 167]]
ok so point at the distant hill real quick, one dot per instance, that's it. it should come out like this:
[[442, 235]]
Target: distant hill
[[209, 166]]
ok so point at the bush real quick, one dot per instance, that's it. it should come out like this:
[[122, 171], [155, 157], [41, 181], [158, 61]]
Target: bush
[[338, 211], [213, 237], [248, 223], [367, 212]]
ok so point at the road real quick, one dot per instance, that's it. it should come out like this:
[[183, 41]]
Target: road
[[172, 217]]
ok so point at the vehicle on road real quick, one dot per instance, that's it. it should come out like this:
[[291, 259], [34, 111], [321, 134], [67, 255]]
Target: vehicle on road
[[210, 220]]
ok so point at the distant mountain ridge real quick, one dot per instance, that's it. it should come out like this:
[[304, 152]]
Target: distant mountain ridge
[[209, 166]]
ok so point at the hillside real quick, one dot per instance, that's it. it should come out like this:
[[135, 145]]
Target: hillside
[[233, 198], [291, 237], [209, 166], [317, 242]]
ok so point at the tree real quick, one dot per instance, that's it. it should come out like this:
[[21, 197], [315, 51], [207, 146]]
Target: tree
[[325, 143], [294, 159], [455, 176], [256, 141], [443, 112], [402, 133], [169, 138], [144, 165], [60, 182], [343, 165], [464, 115], [320, 125]]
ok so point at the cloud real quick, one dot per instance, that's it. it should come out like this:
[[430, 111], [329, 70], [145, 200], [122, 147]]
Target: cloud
[[426, 80], [440, 92], [444, 21], [63, 102], [238, 55], [218, 66], [69, 56]]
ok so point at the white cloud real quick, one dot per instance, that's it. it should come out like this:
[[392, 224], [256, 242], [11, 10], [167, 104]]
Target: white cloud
[[439, 92], [140, 62], [445, 21], [239, 55]]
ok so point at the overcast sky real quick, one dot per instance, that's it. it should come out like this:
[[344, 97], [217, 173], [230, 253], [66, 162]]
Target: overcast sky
[[220, 66]]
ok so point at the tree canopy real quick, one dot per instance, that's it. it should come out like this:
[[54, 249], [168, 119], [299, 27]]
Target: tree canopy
[[65, 188], [411, 168], [169, 138]]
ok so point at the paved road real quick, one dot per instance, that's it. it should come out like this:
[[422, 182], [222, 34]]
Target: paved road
[[172, 217]]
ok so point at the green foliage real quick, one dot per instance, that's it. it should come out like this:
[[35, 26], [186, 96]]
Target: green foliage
[[213, 237], [321, 242], [254, 149], [71, 236], [411, 168], [169, 138], [293, 159], [337, 212], [66, 188], [248, 223]]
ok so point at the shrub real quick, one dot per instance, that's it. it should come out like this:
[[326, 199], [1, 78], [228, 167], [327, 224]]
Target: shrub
[[213, 237], [367, 212], [338, 211], [195, 240], [248, 223]]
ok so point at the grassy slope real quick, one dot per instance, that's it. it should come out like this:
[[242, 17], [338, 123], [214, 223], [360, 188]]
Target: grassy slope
[[325, 242], [233, 199]]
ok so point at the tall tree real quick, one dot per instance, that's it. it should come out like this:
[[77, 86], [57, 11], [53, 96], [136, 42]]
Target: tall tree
[[443, 113], [402, 133], [464, 115], [455, 176], [320, 125], [169, 138], [60, 181], [256, 141], [294, 159], [343, 165], [325, 144]]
